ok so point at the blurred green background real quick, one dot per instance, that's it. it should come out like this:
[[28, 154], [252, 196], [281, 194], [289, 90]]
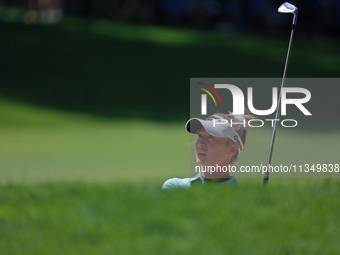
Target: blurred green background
[[90, 99], [89, 134]]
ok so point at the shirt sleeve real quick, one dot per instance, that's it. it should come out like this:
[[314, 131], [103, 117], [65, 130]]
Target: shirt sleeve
[[176, 183]]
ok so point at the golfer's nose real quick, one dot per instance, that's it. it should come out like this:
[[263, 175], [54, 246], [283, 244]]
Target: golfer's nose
[[201, 143]]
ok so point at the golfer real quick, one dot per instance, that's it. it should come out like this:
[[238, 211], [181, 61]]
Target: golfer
[[220, 139]]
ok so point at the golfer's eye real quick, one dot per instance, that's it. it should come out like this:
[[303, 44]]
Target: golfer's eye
[[211, 137]]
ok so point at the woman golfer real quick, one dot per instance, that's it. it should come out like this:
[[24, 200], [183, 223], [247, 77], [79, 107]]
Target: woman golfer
[[221, 137]]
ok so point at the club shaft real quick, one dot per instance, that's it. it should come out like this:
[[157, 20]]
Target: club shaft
[[278, 110]]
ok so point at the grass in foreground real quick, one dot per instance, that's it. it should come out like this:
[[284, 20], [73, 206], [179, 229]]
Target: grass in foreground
[[73, 218]]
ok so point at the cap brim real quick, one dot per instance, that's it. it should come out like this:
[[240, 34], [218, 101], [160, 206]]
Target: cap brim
[[215, 129], [194, 125]]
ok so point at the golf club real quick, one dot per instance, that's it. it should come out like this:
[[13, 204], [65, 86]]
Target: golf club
[[284, 8]]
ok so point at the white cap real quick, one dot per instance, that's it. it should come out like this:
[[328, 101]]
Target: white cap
[[215, 126]]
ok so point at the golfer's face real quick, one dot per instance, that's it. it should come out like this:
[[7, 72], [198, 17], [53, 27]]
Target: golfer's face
[[211, 150]]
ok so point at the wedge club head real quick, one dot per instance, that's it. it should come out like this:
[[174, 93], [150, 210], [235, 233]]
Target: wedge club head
[[289, 8]]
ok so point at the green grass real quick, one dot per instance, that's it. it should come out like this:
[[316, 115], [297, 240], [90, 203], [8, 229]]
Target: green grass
[[73, 218], [45, 145], [40, 145], [108, 152]]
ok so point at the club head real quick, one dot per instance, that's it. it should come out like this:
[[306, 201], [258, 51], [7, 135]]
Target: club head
[[289, 8]]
